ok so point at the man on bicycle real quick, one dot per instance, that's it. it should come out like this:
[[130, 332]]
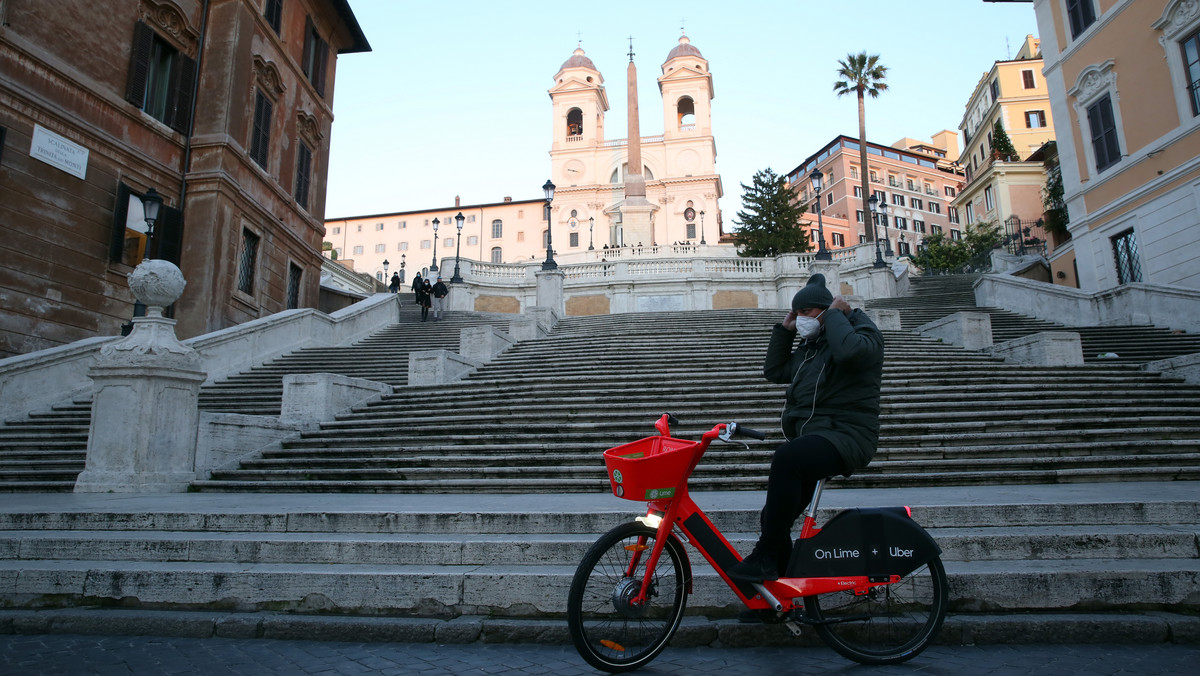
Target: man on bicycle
[[831, 415]]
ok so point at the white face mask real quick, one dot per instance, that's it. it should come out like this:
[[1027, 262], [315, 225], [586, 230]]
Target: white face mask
[[808, 327]]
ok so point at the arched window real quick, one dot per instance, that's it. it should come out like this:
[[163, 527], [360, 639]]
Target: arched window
[[497, 255], [497, 229], [686, 113], [574, 122], [618, 176]]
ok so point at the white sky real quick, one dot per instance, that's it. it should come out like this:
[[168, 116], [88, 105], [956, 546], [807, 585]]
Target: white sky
[[453, 98]]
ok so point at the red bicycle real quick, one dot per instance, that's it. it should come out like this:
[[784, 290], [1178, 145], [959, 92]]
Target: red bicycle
[[870, 581]]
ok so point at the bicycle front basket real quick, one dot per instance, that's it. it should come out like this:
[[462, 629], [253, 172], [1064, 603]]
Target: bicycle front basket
[[652, 468]]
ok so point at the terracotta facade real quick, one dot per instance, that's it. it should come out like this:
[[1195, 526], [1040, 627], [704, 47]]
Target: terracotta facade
[[223, 107]]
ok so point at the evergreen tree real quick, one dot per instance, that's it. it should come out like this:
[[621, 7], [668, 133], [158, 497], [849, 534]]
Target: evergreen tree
[[770, 219], [1001, 144]]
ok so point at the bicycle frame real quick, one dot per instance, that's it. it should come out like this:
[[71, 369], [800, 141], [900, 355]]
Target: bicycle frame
[[682, 513]]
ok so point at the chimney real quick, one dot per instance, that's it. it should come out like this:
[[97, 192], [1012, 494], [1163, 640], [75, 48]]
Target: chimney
[[507, 199], [457, 202]]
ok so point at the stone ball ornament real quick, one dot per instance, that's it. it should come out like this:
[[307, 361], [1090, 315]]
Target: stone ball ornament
[[157, 283]]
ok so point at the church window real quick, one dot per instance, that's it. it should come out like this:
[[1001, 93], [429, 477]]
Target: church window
[[686, 113], [574, 240], [574, 122]]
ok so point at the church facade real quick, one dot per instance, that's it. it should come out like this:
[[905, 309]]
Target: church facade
[[678, 167], [591, 214]]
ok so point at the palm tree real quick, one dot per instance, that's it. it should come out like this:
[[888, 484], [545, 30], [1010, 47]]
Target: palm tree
[[862, 74]]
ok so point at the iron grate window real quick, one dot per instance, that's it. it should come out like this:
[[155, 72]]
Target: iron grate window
[[248, 262], [1191, 60], [293, 287], [1129, 268]]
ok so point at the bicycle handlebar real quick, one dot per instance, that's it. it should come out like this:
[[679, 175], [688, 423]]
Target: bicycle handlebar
[[735, 428]]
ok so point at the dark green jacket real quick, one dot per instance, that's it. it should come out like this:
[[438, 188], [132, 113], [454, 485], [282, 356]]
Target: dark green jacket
[[833, 383]]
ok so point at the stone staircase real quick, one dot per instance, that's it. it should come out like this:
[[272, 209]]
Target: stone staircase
[[46, 450], [540, 415], [1089, 547], [931, 298]]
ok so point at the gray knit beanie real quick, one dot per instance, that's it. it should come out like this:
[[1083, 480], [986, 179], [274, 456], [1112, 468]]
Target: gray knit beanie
[[814, 294]]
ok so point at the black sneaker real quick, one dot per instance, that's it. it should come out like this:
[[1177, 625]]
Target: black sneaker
[[761, 565]]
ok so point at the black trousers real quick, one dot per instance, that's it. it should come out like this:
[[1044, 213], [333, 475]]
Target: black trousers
[[795, 470]]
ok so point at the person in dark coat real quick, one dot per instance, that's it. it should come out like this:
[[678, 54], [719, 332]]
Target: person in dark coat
[[425, 298], [394, 285], [831, 415], [440, 290], [417, 283]]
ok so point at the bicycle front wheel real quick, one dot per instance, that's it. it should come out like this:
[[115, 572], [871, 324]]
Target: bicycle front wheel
[[887, 625], [610, 632]]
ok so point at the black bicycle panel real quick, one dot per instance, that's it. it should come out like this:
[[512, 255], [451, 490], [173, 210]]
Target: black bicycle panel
[[874, 542]]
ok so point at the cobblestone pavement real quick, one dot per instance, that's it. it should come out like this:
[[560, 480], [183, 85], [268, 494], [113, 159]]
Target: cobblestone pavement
[[66, 654]]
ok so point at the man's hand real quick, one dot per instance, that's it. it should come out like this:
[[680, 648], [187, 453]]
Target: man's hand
[[789, 322], [840, 303]]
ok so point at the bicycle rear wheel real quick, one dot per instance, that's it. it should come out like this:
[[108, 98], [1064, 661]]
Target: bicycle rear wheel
[[609, 632], [887, 625]]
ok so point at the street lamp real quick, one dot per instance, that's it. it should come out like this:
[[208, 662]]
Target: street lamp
[[702, 227], [887, 242], [151, 203], [549, 264], [900, 247], [385, 267], [822, 253], [401, 268], [433, 265], [457, 278], [873, 203], [591, 226]]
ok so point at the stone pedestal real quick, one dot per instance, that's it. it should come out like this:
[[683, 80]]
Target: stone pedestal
[[636, 226], [550, 290], [1046, 348], [971, 330], [145, 411]]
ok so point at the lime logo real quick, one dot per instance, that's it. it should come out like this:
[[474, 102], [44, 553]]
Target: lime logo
[[656, 493], [617, 476]]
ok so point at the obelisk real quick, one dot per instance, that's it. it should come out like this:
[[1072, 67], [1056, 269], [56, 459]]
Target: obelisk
[[636, 209]]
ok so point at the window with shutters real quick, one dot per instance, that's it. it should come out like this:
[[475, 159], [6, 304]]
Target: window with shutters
[[273, 12], [303, 174], [260, 133], [315, 60], [161, 79], [1102, 125], [248, 262]]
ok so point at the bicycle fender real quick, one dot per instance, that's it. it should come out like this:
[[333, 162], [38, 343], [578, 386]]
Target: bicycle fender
[[871, 542]]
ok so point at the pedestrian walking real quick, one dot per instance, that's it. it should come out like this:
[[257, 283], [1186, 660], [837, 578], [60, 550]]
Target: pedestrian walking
[[417, 283], [424, 296], [394, 285], [440, 290]]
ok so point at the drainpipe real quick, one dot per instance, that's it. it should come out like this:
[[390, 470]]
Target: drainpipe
[[187, 142]]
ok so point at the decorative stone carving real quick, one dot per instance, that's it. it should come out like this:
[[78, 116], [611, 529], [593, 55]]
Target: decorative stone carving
[[309, 127], [157, 283], [1177, 18], [168, 17], [267, 76]]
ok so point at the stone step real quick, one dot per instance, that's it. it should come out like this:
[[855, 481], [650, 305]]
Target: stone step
[[541, 590], [1030, 543]]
